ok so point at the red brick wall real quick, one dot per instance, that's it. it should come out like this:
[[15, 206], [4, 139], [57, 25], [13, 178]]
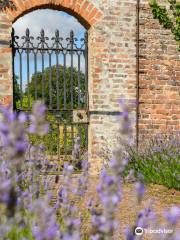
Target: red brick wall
[[159, 85], [5, 61]]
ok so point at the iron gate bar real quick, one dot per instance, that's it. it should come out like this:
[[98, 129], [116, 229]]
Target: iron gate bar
[[13, 56], [79, 66], [20, 70], [64, 76], [71, 42], [86, 67], [57, 80], [42, 54], [35, 70], [28, 78], [58, 135], [50, 82]]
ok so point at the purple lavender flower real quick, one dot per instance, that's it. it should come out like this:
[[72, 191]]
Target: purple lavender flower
[[68, 210], [109, 191], [82, 181], [38, 124], [44, 225], [22, 117], [5, 188], [76, 149], [129, 233], [73, 236], [13, 136], [176, 236], [140, 189], [173, 215], [109, 187]]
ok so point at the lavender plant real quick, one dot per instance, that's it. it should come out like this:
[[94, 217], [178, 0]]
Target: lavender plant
[[19, 171], [110, 194], [27, 210], [109, 188], [158, 160]]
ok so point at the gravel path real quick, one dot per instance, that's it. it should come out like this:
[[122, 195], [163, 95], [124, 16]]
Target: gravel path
[[162, 197]]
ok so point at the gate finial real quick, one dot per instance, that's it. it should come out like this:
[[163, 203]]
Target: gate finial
[[71, 36], [57, 33], [27, 32], [42, 32]]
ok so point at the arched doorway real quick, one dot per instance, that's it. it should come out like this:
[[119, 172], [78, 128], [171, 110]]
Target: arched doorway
[[51, 65], [90, 15]]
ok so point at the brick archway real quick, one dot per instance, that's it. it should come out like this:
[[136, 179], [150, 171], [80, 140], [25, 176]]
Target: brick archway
[[85, 11]]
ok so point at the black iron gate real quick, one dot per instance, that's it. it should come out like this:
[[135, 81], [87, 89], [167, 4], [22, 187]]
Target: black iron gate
[[54, 70]]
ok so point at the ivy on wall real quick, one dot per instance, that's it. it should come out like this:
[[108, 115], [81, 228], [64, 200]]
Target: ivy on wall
[[169, 18], [6, 4]]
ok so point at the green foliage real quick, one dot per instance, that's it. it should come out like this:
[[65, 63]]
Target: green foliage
[[56, 137], [158, 165], [24, 102], [49, 79], [161, 14], [17, 89], [17, 233], [22, 231], [169, 19]]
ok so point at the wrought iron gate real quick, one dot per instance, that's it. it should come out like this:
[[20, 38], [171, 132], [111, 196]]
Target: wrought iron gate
[[54, 70]]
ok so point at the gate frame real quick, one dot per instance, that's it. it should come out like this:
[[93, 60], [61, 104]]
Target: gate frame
[[77, 115]]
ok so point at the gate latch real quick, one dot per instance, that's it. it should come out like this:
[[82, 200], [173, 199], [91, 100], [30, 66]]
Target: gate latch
[[80, 116]]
